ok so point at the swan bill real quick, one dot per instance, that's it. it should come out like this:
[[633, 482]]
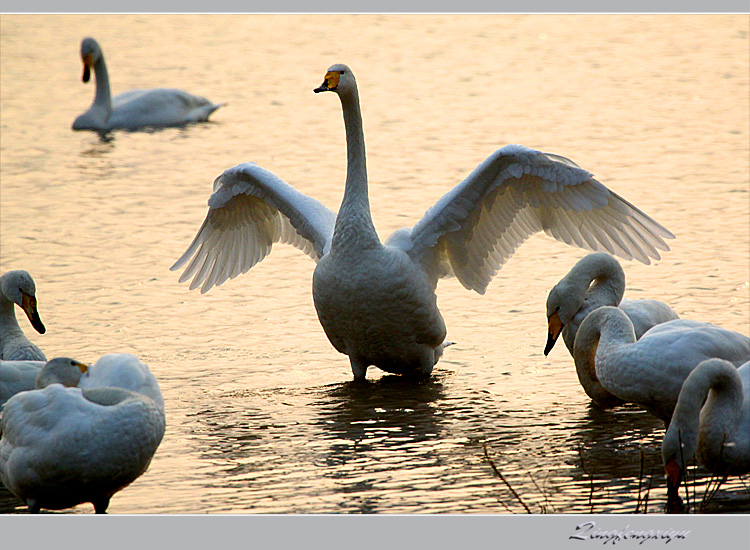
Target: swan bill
[[330, 82], [83, 367], [88, 62], [28, 304], [674, 479], [555, 328]]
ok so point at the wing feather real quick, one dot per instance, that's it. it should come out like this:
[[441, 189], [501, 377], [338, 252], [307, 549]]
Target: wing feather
[[516, 192], [250, 210]]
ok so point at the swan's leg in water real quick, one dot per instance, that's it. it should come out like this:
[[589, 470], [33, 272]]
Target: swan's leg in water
[[427, 362], [359, 368], [33, 506], [100, 505]]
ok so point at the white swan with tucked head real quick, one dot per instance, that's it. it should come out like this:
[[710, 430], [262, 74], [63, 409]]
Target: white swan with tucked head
[[376, 302], [597, 280], [650, 371], [62, 446], [17, 287], [711, 422], [135, 109], [18, 376]]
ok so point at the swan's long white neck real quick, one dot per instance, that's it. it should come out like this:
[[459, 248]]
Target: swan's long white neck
[[713, 423], [604, 275], [604, 331], [103, 97], [9, 326], [354, 227]]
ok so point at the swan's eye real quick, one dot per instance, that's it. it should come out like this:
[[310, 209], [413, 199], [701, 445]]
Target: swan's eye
[[557, 308], [342, 72]]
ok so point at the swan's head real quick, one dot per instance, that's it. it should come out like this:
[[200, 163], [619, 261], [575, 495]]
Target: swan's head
[[60, 370], [339, 79], [90, 54], [562, 305], [19, 288], [677, 448]]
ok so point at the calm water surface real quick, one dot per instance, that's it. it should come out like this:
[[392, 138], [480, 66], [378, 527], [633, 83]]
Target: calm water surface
[[262, 414]]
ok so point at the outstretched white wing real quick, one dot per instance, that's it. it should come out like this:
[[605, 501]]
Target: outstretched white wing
[[473, 229], [249, 210]]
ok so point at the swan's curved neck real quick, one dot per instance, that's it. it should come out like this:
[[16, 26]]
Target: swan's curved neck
[[603, 332], [103, 97], [600, 278], [354, 222], [720, 388], [585, 361]]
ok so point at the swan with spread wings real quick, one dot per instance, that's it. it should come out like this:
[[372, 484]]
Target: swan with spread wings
[[376, 301]]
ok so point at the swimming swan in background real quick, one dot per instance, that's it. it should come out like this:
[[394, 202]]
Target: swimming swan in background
[[17, 287], [135, 109], [650, 371], [62, 446], [711, 422], [575, 296], [376, 302]]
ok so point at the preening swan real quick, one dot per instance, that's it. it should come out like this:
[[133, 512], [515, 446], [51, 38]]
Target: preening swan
[[376, 302], [711, 422], [135, 109], [650, 371], [18, 376], [60, 370], [597, 280], [62, 446], [17, 287]]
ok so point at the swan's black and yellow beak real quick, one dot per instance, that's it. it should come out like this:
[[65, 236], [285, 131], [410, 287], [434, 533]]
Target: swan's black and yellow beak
[[330, 82], [83, 367], [555, 326], [28, 304], [88, 64]]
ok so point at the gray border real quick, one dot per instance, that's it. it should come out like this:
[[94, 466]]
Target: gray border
[[391, 532]]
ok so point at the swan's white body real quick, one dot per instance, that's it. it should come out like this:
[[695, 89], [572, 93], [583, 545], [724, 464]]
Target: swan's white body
[[650, 371], [62, 446], [135, 109], [597, 280], [376, 302], [17, 287], [17, 376], [711, 422]]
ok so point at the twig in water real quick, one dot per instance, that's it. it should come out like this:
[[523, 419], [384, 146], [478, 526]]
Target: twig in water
[[546, 500], [685, 473], [497, 472], [504, 505], [648, 490], [711, 491], [640, 482], [591, 480]]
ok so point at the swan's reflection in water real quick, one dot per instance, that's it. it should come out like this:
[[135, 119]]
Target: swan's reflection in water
[[392, 445], [377, 437], [619, 454], [10, 503], [396, 445]]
